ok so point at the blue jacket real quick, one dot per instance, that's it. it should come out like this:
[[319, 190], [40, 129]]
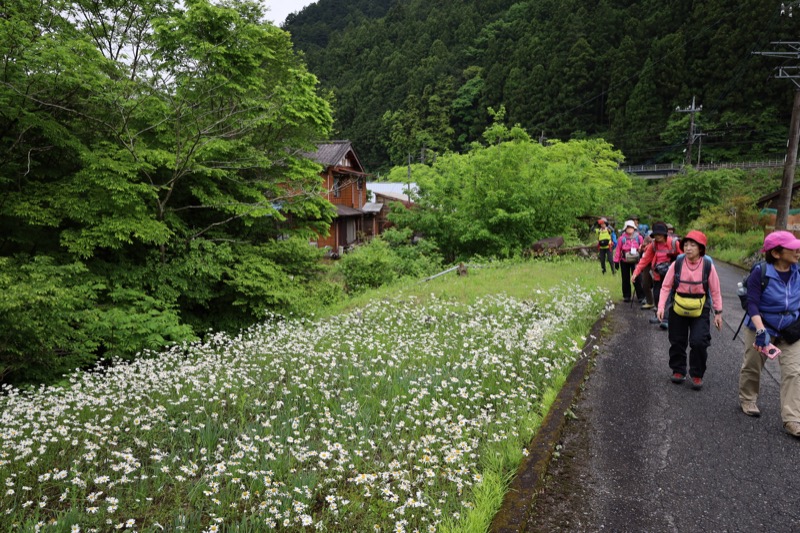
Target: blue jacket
[[780, 302]]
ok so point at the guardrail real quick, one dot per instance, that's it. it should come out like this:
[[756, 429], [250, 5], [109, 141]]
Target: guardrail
[[673, 168]]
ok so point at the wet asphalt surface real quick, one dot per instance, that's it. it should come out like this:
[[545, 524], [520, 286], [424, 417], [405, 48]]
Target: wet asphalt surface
[[645, 454]]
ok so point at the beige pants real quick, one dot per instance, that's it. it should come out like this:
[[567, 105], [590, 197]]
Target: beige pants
[[750, 375]]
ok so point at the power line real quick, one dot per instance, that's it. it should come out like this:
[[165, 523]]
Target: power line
[[790, 73]]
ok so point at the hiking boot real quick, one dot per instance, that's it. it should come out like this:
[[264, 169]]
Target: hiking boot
[[664, 325], [654, 320], [626, 300], [750, 409], [643, 301], [792, 428], [697, 383], [647, 306], [677, 377]]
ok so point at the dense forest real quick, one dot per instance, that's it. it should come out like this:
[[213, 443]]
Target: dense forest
[[418, 76]]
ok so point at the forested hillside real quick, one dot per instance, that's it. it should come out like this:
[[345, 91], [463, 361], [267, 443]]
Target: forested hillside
[[421, 77]]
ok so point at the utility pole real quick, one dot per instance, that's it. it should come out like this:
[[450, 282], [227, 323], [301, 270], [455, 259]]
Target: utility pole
[[788, 73], [700, 146], [692, 109]]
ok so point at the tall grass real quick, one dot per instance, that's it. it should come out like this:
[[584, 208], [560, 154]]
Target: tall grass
[[407, 412]]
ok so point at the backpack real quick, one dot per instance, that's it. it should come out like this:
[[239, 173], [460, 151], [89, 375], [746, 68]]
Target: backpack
[[662, 267], [629, 256], [604, 237], [741, 292], [691, 307]]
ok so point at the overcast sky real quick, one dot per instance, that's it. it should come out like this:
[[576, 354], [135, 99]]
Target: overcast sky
[[278, 9]]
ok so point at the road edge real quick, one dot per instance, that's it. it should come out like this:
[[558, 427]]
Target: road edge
[[513, 515]]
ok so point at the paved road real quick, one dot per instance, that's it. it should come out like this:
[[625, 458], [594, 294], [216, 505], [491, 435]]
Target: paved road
[[645, 454]]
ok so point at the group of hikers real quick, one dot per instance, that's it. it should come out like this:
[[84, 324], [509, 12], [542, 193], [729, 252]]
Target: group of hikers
[[675, 278]]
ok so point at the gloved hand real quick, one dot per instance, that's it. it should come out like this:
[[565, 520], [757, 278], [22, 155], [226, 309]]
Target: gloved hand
[[762, 338]]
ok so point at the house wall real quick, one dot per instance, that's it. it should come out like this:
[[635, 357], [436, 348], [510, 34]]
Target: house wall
[[352, 191]]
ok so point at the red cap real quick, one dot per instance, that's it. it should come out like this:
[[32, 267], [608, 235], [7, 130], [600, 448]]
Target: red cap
[[697, 236]]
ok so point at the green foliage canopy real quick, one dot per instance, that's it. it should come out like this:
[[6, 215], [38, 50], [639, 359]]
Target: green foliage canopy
[[156, 149], [498, 200]]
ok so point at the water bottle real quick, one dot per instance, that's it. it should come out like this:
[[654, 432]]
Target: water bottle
[[741, 292]]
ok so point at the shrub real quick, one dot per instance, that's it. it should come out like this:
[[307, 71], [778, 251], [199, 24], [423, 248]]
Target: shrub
[[735, 247], [368, 266], [414, 258], [43, 313], [737, 214]]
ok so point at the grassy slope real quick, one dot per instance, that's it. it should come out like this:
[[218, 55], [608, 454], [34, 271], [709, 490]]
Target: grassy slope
[[407, 408]]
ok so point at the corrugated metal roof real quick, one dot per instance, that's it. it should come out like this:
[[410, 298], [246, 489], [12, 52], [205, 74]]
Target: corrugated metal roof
[[393, 196], [391, 188], [372, 207]]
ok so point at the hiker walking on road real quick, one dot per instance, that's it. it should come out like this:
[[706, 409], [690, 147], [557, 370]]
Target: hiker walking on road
[[645, 278], [627, 255], [772, 306], [606, 240], [658, 256], [689, 290]]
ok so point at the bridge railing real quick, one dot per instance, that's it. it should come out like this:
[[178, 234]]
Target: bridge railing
[[672, 168]]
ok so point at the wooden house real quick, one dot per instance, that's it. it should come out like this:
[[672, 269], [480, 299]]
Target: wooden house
[[383, 199], [345, 186]]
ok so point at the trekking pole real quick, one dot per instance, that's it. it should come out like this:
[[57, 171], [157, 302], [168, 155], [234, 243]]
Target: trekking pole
[[740, 327]]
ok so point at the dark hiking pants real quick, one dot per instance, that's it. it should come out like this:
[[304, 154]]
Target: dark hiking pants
[[694, 333]]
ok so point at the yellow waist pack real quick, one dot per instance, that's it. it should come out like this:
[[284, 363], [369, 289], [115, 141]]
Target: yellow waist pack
[[688, 306]]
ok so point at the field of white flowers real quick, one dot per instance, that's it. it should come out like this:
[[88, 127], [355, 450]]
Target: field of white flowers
[[388, 418]]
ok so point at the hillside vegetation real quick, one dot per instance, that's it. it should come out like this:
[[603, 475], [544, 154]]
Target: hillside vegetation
[[421, 77]]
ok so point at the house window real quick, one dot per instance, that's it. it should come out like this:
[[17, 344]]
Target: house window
[[337, 187], [360, 183]]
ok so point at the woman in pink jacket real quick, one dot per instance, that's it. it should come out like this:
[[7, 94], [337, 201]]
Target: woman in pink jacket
[[626, 255], [658, 256], [690, 290]]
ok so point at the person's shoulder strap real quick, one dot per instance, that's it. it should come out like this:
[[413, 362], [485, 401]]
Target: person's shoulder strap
[[762, 271], [706, 272], [678, 266], [764, 278], [676, 277]]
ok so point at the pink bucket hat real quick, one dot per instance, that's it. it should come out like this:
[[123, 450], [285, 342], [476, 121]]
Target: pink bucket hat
[[781, 238]]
